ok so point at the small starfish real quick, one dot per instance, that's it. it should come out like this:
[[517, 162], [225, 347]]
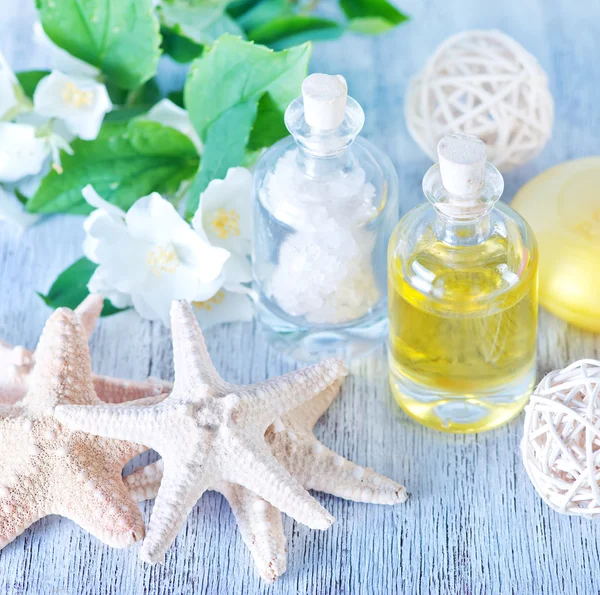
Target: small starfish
[[316, 467], [46, 468], [16, 366], [209, 431]]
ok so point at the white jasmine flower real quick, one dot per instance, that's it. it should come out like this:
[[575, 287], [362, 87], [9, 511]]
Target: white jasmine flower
[[167, 113], [56, 138], [22, 151], [12, 211], [80, 102], [224, 306], [224, 217], [12, 98], [61, 59], [149, 256]]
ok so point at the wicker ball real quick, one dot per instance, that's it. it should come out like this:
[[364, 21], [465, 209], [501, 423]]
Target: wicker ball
[[487, 84], [561, 439]]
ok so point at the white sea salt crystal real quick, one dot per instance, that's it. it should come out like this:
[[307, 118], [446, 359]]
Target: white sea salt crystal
[[324, 272]]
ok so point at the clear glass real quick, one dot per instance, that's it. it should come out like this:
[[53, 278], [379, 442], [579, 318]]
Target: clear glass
[[463, 309], [325, 206]]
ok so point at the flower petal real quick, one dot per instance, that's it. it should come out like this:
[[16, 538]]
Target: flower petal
[[12, 211], [224, 306], [154, 219], [237, 270], [167, 113], [97, 284], [9, 101], [96, 201], [79, 101], [225, 211], [22, 153]]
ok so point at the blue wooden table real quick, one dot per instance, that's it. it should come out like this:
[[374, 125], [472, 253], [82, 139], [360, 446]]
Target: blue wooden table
[[473, 523]]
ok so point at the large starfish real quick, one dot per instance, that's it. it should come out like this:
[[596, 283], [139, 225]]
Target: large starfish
[[294, 445], [208, 432], [16, 366], [47, 468]]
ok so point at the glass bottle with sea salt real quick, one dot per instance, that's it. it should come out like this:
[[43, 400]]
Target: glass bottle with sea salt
[[325, 205]]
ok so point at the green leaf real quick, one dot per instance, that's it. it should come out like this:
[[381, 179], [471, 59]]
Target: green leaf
[[200, 21], [224, 145], [180, 48], [29, 80], [237, 8], [70, 288], [269, 126], [176, 97], [125, 113], [229, 81], [369, 25], [288, 31], [120, 37], [147, 94], [262, 12], [127, 160], [371, 16]]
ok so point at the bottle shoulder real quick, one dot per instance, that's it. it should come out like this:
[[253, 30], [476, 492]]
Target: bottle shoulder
[[506, 261], [297, 188]]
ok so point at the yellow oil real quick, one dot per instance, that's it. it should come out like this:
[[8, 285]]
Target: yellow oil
[[463, 345]]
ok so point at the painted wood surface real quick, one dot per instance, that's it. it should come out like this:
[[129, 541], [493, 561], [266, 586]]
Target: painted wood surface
[[473, 523]]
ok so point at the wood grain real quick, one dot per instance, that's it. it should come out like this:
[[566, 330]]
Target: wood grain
[[473, 523]]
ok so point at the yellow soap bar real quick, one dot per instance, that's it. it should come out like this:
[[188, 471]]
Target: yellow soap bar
[[562, 205]]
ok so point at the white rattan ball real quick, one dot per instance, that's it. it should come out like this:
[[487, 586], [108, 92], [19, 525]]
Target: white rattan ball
[[483, 83], [561, 439]]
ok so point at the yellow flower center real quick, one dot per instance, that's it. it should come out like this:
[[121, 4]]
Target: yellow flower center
[[76, 97], [163, 260], [226, 223], [211, 303]]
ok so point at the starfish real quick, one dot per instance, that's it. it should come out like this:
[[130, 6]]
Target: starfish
[[16, 366], [47, 468], [209, 431], [294, 445]]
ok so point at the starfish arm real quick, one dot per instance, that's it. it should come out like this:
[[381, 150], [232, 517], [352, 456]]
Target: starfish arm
[[180, 489], [63, 369], [144, 482], [132, 422], [275, 397], [260, 527], [117, 390], [259, 522], [6, 351], [10, 393], [107, 511], [15, 368], [261, 473], [319, 468], [89, 311], [193, 366], [17, 512], [307, 414]]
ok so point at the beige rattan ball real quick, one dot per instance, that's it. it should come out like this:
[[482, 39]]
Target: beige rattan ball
[[561, 439], [487, 84]]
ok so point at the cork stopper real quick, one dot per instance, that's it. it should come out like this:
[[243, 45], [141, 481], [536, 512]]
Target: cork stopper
[[324, 100], [462, 163]]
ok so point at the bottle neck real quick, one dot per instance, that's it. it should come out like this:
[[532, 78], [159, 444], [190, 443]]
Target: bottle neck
[[460, 232], [322, 166]]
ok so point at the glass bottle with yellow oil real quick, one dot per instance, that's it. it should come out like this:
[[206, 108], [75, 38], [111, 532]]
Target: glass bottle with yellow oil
[[463, 298]]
